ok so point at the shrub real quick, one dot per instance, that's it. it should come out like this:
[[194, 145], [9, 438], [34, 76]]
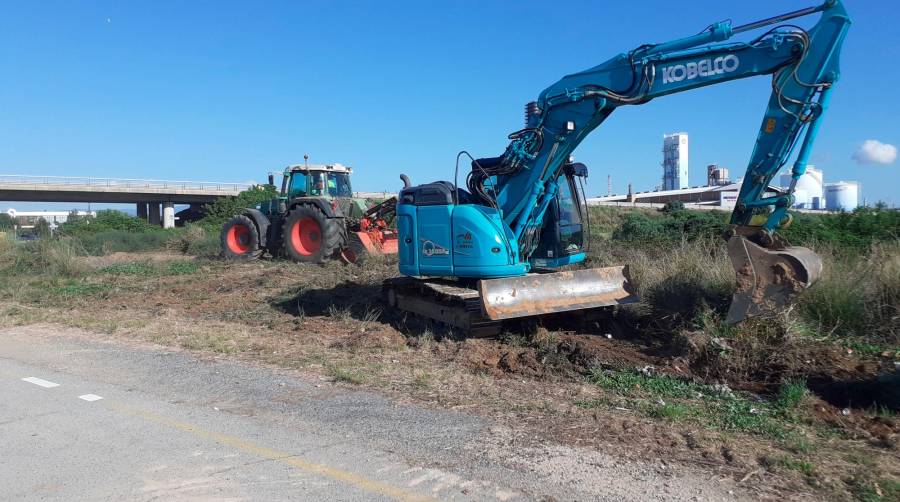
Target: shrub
[[105, 221], [195, 240], [55, 257], [6, 222], [858, 297], [113, 241], [675, 225], [223, 209]]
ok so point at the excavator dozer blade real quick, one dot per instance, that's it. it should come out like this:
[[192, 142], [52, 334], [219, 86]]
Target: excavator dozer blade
[[536, 294], [768, 279]]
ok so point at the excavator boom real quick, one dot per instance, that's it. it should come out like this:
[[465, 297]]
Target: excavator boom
[[523, 212]]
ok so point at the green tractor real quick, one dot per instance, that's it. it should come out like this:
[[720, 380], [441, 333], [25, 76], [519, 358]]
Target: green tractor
[[314, 218]]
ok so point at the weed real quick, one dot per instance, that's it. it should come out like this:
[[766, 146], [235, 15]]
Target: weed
[[183, 267], [223, 344], [798, 444], [80, 289], [790, 394], [422, 380], [339, 313], [801, 466], [669, 411], [735, 414], [371, 315], [343, 375], [131, 268]]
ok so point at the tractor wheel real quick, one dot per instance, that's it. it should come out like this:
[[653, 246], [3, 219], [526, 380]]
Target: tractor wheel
[[309, 236], [240, 239], [355, 252]]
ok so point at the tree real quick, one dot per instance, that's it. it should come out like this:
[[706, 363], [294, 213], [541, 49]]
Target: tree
[[6, 222], [74, 217], [226, 207], [42, 228]]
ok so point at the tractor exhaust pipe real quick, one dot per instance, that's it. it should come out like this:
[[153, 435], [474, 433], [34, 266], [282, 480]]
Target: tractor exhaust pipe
[[406, 182]]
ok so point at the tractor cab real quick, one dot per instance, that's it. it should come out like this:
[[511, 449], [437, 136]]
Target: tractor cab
[[329, 181]]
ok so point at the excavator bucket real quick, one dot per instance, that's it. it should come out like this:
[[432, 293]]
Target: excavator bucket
[[768, 279], [536, 294]]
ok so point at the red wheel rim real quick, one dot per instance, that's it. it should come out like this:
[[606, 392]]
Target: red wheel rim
[[306, 237], [238, 239]]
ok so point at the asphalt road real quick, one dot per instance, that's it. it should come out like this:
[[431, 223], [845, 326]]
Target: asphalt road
[[88, 419]]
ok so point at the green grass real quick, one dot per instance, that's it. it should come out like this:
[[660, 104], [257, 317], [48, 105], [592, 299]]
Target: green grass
[[132, 268], [670, 411], [790, 394], [802, 466], [148, 269], [81, 289], [883, 490], [685, 400]]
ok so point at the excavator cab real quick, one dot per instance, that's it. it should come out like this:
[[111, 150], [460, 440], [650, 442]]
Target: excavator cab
[[565, 223]]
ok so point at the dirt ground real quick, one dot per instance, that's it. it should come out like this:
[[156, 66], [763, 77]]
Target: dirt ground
[[331, 320]]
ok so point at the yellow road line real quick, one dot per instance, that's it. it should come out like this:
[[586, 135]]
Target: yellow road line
[[369, 485]]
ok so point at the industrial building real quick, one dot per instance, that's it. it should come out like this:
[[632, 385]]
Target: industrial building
[[810, 189], [675, 161], [717, 175], [724, 196], [842, 196], [813, 193], [27, 219]]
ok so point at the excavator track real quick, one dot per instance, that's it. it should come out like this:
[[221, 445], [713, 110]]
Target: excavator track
[[442, 300]]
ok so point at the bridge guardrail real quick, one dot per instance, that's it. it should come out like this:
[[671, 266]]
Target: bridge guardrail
[[125, 183]]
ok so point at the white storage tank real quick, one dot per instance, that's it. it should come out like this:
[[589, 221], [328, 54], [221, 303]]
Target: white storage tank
[[842, 196], [810, 187]]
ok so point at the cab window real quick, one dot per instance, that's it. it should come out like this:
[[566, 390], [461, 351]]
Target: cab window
[[339, 185], [570, 230], [297, 187]]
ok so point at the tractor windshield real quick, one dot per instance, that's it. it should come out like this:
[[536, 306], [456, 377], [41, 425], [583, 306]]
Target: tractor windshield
[[339, 185], [326, 184]]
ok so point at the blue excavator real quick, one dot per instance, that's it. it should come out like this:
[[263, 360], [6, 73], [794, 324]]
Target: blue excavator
[[473, 257]]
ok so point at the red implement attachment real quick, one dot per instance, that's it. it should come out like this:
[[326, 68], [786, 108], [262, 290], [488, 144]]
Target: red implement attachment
[[372, 235]]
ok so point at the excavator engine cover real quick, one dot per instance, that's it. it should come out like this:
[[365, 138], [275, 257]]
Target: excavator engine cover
[[536, 294], [768, 279]]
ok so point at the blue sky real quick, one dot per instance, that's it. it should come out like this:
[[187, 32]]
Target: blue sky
[[227, 91]]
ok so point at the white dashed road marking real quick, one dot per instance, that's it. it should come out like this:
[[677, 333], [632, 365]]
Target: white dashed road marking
[[90, 397], [41, 382]]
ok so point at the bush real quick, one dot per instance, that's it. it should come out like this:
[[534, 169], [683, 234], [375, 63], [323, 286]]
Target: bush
[[114, 241], [107, 220], [845, 232], [196, 240], [675, 225], [221, 210], [858, 298], [54, 257], [6, 222]]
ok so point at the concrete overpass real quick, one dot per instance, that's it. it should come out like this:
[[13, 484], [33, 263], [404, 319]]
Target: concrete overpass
[[148, 195]]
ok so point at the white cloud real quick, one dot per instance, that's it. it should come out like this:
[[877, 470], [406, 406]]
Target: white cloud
[[873, 151]]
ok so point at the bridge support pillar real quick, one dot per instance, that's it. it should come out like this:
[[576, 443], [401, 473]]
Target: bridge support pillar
[[142, 210], [168, 215], [153, 208]]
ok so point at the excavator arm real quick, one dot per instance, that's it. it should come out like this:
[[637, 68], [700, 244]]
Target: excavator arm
[[804, 66], [492, 232]]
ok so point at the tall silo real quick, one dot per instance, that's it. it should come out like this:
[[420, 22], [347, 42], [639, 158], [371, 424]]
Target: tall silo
[[842, 196], [675, 161], [809, 189]]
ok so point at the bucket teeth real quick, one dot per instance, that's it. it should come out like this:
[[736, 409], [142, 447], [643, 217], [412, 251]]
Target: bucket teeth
[[768, 280], [537, 294]]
